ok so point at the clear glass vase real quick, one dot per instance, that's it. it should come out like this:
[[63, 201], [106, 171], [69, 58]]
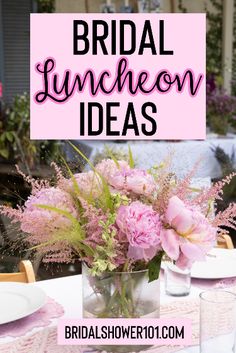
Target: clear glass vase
[[120, 295]]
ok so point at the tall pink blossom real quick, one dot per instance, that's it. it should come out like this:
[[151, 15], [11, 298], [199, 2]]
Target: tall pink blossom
[[188, 235]]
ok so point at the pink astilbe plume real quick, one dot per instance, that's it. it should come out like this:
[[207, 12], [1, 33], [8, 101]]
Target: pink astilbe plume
[[41, 226], [15, 214], [60, 252], [161, 202], [93, 228], [59, 174], [182, 189], [41, 223], [36, 184], [226, 218], [213, 193], [94, 232]]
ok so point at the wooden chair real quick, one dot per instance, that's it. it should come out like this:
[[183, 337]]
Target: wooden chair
[[224, 241], [26, 274]]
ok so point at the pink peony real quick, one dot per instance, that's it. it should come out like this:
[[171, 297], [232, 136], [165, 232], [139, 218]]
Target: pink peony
[[108, 168], [142, 226], [188, 235], [42, 223], [134, 180], [88, 183]]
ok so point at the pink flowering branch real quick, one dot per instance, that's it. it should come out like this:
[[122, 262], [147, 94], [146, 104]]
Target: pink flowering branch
[[12, 213], [59, 174], [183, 186], [36, 185], [226, 218], [215, 192]]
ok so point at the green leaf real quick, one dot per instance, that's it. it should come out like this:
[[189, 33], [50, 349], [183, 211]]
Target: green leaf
[[3, 137], [131, 159], [9, 136], [106, 200], [111, 155], [83, 156], [75, 184], [4, 153], [61, 212], [154, 267], [76, 187], [86, 248]]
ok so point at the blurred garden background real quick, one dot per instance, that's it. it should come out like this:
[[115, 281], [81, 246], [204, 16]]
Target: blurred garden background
[[217, 153]]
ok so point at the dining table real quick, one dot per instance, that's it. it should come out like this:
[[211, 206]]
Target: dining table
[[67, 291]]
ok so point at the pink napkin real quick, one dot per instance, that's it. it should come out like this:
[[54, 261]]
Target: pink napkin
[[214, 283], [41, 318]]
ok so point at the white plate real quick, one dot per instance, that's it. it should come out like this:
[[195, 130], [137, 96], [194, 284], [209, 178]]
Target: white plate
[[220, 263], [18, 300]]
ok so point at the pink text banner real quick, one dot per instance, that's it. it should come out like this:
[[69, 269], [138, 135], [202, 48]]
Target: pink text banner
[[125, 332], [118, 76]]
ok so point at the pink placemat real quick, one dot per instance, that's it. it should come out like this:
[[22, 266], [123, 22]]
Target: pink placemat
[[218, 283], [43, 317], [45, 341]]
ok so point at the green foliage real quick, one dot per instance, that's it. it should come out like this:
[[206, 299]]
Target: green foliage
[[105, 253], [182, 8], [75, 236], [234, 54], [15, 141], [114, 153], [227, 163], [214, 36], [46, 6], [105, 201], [118, 200], [131, 159], [154, 267]]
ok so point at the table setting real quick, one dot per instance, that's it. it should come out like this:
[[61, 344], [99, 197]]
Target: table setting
[[41, 333], [147, 240]]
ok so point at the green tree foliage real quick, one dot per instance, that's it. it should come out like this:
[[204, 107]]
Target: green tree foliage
[[46, 6]]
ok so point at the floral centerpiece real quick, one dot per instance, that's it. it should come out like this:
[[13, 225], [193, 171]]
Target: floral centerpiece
[[120, 221]]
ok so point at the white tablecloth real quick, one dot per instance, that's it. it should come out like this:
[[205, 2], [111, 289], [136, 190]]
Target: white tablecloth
[[68, 292], [186, 154]]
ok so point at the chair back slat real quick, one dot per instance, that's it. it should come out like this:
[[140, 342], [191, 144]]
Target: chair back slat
[[224, 241], [26, 274], [13, 277]]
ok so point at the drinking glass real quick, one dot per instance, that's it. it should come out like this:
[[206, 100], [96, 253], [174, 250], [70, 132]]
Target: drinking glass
[[217, 321], [177, 281]]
